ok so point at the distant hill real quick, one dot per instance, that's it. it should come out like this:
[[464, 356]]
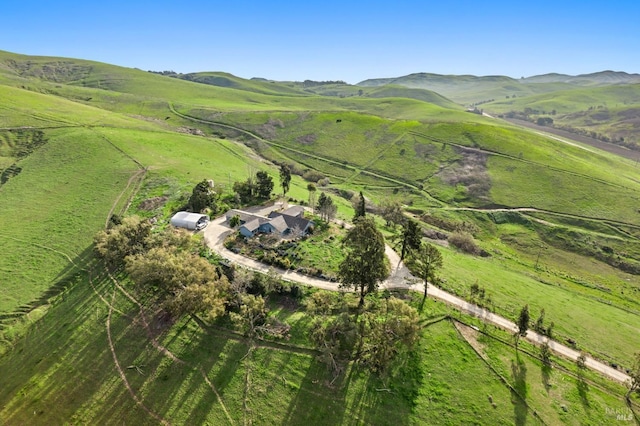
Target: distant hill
[[595, 79], [470, 89], [222, 79]]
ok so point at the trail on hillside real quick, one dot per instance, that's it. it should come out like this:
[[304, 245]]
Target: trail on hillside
[[518, 159], [123, 377], [166, 352], [550, 212], [357, 170]]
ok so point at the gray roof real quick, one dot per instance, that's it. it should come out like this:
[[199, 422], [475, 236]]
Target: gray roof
[[244, 216], [293, 211], [279, 223], [254, 224], [292, 221], [188, 220]]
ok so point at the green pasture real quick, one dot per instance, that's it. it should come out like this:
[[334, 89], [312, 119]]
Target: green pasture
[[183, 373], [612, 334], [52, 209]]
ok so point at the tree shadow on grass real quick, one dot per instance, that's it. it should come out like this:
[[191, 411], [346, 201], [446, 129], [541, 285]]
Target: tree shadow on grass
[[356, 395], [519, 394], [320, 399], [583, 390], [64, 361], [545, 372], [219, 360], [66, 278]]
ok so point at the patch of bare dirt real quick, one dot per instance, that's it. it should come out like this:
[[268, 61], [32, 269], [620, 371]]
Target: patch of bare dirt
[[471, 336], [269, 129], [153, 203], [190, 131], [307, 139], [471, 172]]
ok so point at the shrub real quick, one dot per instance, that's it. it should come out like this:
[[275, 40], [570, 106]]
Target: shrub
[[312, 176], [464, 242]]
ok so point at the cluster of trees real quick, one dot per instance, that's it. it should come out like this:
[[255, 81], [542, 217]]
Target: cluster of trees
[[256, 187], [166, 267], [172, 271], [259, 187], [312, 83], [326, 207]]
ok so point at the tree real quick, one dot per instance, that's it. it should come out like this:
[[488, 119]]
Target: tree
[[365, 263], [545, 353], [386, 332], [245, 190], [391, 212], [411, 237], [285, 178], [581, 361], [203, 196], [264, 185], [326, 208], [252, 315], [120, 241], [539, 324], [360, 207], [634, 385], [425, 261], [523, 323], [335, 339], [183, 282], [312, 196], [234, 221]]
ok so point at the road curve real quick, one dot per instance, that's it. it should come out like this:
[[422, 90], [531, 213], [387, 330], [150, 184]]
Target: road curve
[[217, 230]]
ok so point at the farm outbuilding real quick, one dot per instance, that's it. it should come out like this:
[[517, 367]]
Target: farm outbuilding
[[192, 221]]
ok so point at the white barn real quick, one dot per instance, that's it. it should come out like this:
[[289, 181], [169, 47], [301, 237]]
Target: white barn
[[192, 221]]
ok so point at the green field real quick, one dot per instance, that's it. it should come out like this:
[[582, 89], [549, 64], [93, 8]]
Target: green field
[[107, 367], [80, 141]]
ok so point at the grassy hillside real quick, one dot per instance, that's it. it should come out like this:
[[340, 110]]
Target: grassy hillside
[[108, 366], [81, 140], [469, 89], [610, 113]]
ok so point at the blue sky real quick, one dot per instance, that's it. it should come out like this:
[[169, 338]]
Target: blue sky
[[332, 40]]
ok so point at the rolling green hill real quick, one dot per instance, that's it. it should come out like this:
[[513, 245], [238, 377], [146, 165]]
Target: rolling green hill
[[557, 224], [609, 113], [469, 89]]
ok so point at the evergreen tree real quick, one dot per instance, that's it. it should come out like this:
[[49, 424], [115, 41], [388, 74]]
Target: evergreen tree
[[264, 185], [285, 178], [202, 197], [425, 261], [523, 323], [360, 207], [365, 265]]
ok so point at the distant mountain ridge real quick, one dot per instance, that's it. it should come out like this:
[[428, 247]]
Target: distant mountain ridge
[[471, 89], [596, 78]]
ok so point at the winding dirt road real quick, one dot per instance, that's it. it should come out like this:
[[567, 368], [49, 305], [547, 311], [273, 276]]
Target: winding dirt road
[[400, 278]]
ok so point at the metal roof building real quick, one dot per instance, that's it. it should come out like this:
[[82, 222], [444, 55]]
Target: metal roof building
[[192, 221]]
